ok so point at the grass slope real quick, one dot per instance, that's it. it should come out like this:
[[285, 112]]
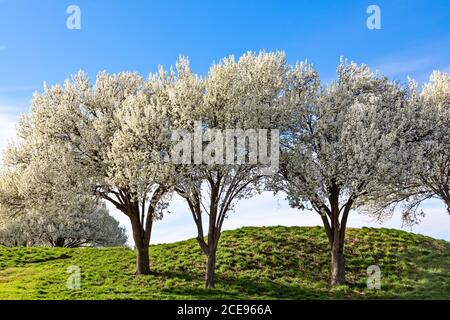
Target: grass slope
[[253, 263]]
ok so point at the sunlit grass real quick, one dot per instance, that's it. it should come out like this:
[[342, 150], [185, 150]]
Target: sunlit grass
[[253, 263]]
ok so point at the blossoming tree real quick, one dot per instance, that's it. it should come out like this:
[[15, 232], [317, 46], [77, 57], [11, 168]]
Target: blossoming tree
[[103, 139], [246, 95], [335, 147], [83, 227], [423, 151]]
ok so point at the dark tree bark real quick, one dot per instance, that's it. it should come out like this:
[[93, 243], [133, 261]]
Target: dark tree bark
[[210, 250], [60, 242], [142, 259], [216, 218], [224, 188], [334, 219], [141, 239], [141, 217], [210, 269], [337, 262], [445, 194]]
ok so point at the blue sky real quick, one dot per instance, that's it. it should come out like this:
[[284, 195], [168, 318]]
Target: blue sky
[[119, 35]]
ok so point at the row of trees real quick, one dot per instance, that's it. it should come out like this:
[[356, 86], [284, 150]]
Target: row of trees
[[361, 142]]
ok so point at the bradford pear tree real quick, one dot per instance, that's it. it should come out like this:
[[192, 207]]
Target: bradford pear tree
[[335, 148], [431, 166], [104, 138], [230, 119], [423, 152], [41, 203]]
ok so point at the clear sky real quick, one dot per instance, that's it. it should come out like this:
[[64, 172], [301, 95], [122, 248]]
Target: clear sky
[[119, 35]]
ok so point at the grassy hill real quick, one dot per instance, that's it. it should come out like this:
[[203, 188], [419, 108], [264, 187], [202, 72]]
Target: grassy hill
[[254, 263]]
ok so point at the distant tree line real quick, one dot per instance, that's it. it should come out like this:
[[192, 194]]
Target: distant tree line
[[91, 227]]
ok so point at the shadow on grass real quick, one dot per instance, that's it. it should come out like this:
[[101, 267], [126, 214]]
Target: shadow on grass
[[236, 288], [52, 258]]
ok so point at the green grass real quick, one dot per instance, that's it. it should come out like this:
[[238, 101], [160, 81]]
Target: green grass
[[253, 263]]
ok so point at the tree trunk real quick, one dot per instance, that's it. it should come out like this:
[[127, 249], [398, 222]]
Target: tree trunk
[[141, 223], [337, 262], [60, 242], [335, 231], [142, 243], [142, 259], [210, 269], [447, 202]]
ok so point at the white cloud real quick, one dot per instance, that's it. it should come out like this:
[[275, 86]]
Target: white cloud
[[401, 66]]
